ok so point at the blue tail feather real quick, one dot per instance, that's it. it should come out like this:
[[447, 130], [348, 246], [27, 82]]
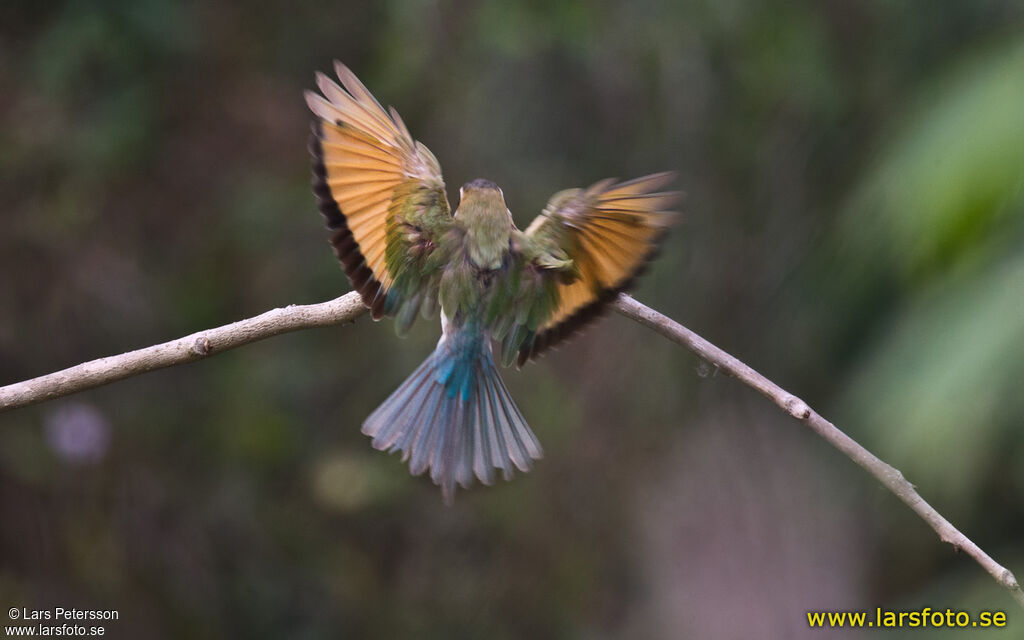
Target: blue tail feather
[[455, 416]]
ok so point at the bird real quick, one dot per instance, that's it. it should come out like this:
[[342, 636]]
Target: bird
[[408, 255]]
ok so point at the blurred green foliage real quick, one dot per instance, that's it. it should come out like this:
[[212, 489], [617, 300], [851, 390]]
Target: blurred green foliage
[[854, 230], [942, 214]]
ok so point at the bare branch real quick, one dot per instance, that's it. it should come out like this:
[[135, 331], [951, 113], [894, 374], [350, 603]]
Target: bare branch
[[188, 349], [349, 307], [889, 476]]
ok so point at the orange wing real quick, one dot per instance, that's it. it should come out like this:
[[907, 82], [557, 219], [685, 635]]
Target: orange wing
[[381, 192], [609, 231]]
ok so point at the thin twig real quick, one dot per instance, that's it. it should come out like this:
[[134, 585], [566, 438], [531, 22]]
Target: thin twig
[[349, 307], [889, 476], [188, 349]]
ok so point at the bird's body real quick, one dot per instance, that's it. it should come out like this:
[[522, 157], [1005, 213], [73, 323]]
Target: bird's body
[[383, 197]]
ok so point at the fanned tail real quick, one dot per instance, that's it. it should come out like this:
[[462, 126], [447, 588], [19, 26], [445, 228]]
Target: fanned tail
[[455, 416]]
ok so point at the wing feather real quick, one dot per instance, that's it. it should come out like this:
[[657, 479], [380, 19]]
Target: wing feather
[[355, 193], [364, 175], [381, 193], [609, 232]]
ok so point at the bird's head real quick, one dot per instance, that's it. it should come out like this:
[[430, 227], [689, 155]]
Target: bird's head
[[481, 193]]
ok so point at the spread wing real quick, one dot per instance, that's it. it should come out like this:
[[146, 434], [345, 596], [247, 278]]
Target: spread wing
[[586, 247], [383, 198]]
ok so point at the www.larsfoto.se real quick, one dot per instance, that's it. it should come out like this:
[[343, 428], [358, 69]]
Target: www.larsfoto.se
[[926, 617]]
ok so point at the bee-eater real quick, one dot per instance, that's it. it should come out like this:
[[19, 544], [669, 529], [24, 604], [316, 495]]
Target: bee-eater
[[406, 253]]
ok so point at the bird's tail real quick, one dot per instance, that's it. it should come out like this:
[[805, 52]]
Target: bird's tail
[[455, 416]]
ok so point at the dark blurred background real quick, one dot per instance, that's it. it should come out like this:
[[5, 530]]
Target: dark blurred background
[[853, 229]]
